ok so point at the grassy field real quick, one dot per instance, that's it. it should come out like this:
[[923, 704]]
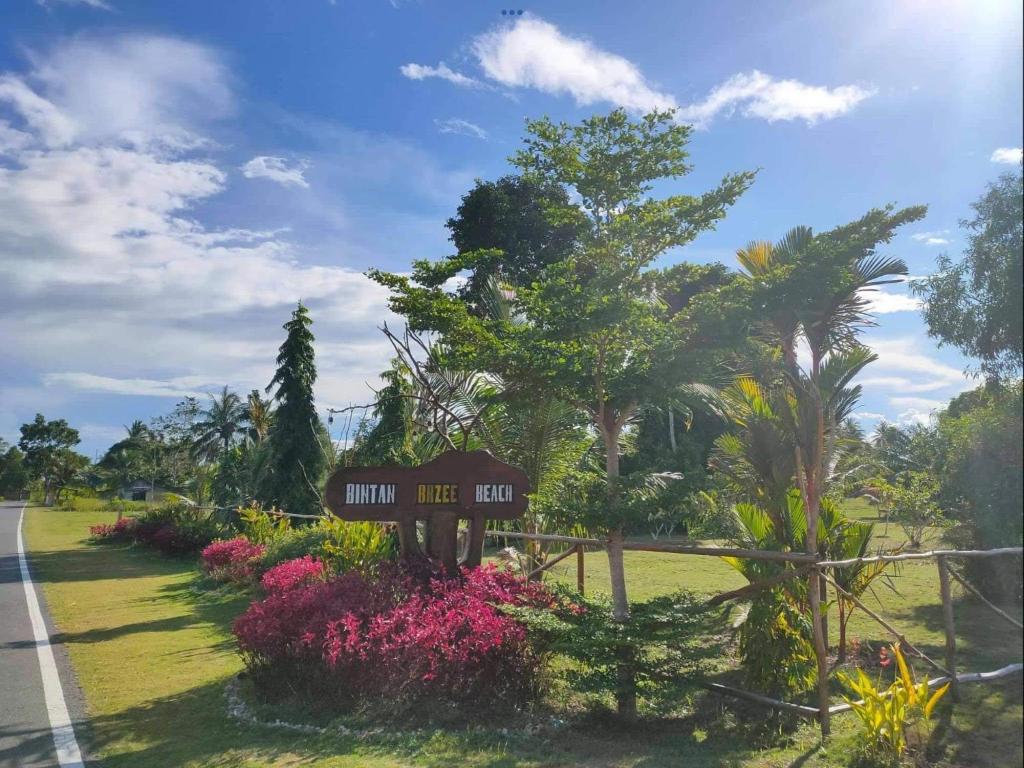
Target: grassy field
[[153, 654]]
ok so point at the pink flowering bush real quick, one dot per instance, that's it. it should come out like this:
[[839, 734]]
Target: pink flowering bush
[[291, 574], [391, 642], [122, 530], [231, 560]]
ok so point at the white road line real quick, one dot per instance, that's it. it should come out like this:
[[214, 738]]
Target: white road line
[[68, 754]]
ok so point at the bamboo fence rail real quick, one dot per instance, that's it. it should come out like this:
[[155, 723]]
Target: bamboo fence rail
[[813, 569]]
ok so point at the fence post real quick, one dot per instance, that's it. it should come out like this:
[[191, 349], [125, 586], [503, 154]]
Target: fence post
[[947, 620], [580, 573]]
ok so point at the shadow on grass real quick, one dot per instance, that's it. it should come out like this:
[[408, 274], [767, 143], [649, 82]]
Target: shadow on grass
[[984, 640], [98, 562], [192, 728]]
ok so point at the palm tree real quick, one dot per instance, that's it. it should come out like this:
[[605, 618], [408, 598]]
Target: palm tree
[[219, 425], [259, 416], [813, 288]]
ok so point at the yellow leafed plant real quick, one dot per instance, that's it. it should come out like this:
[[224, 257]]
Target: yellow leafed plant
[[886, 713]]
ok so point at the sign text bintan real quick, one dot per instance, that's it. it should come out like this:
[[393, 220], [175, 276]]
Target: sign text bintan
[[470, 485]]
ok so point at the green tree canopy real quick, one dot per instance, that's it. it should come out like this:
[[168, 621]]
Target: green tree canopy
[[594, 328], [502, 230], [975, 304], [49, 457]]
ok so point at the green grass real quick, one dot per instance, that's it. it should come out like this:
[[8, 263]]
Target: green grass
[[153, 653]]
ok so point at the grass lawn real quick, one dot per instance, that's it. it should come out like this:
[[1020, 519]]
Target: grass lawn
[[153, 654]]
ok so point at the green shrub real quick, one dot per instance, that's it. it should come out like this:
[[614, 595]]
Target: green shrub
[[887, 713], [341, 545], [665, 645]]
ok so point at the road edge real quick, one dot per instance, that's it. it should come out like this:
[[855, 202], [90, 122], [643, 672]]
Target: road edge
[[68, 752]]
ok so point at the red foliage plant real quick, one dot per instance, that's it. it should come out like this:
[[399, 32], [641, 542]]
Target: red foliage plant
[[292, 574], [122, 530], [392, 641], [231, 560]]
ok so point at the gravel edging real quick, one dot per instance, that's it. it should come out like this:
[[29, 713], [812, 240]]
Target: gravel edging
[[238, 709]]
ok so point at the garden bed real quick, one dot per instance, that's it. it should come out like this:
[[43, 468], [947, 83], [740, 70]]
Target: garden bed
[[154, 655]]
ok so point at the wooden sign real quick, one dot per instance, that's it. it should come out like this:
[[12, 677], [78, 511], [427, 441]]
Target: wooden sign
[[466, 485]]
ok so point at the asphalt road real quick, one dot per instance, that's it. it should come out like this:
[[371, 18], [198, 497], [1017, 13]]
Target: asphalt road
[[26, 736]]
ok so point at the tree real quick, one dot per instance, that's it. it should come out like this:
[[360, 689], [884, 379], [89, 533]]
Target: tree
[[297, 462], [978, 464], [221, 422], [594, 329], [260, 416], [812, 288], [48, 456], [14, 477], [975, 304], [502, 230], [175, 433]]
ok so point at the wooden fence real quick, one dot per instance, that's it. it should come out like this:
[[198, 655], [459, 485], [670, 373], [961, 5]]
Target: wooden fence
[[815, 570]]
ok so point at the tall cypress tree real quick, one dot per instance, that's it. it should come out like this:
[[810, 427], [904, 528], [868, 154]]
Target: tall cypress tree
[[297, 461]]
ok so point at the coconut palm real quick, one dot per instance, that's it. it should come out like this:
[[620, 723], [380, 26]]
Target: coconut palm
[[259, 416], [220, 423]]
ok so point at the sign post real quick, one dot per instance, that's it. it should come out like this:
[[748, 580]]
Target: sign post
[[457, 485]]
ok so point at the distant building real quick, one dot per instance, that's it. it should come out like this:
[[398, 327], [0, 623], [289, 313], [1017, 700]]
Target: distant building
[[141, 490]]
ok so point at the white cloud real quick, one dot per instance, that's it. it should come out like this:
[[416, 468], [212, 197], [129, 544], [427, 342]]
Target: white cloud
[[52, 127], [442, 71], [142, 90], [932, 238], [755, 94], [920, 403], [881, 302], [1007, 155], [109, 281], [903, 384], [462, 127], [276, 169], [914, 416], [534, 54], [98, 4], [868, 416], [187, 386], [912, 383]]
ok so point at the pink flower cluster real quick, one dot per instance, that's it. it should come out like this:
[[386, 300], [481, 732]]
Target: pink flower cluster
[[393, 641], [122, 530], [232, 560], [291, 574]]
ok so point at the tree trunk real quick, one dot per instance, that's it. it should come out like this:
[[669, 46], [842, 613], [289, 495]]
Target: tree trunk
[[625, 694], [842, 630], [671, 429], [616, 569], [823, 589]]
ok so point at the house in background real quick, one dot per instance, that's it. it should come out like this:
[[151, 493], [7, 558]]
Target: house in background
[[141, 490]]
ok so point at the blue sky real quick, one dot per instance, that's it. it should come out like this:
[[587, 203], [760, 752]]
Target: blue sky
[[174, 176]]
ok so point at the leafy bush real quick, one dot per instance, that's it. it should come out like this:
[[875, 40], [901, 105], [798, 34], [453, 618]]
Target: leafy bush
[[262, 526], [339, 544], [666, 641], [122, 530], [910, 501], [775, 646], [232, 560], [174, 529], [886, 714], [292, 574], [392, 641]]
